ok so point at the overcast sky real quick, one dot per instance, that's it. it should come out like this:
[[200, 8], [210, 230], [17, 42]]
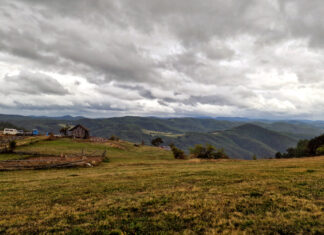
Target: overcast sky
[[102, 58]]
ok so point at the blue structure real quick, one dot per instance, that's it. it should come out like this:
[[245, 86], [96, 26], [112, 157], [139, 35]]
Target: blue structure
[[35, 132]]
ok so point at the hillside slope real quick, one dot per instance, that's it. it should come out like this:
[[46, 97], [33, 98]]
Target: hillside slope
[[239, 138], [144, 190], [8, 125], [240, 142], [123, 125], [108, 126], [298, 130], [270, 138]]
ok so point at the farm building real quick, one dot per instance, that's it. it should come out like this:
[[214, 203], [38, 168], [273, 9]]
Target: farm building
[[35, 132], [80, 132], [8, 131]]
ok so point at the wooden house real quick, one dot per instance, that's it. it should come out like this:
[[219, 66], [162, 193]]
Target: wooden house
[[80, 132]]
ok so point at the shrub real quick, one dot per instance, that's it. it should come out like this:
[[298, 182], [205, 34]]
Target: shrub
[[64, 130], [177, 153], [291, 152], [320, 150], [278, 155], [220, 154], [51, 137], [103, 155], [114, 138], [12, 145], [208, 152], [315, 143], [198, 151], [302, 149], [254, 157], [157, 142]]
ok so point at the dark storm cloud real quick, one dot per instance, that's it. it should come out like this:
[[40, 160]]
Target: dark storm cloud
[[237, 98], [151, 57]]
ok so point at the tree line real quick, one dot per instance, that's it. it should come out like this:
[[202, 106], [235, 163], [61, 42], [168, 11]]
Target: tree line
[[305, 148], [198, 151]]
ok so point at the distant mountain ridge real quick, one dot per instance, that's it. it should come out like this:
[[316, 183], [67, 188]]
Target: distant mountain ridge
[[66, 117], [240, 137]]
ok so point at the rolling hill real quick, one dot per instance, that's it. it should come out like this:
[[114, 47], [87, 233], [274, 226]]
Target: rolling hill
[[4, 125], [240, 142], [299, 130], [241, 138]]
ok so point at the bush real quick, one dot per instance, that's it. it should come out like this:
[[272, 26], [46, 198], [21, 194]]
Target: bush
[[199, 151], [254, 157], [12, 146], [177, 153], [220, 154], [302, 150], [291, 153], [315, 143], [157, 142], [320, 150], [64, 130], [114, 138], [208, 152], [278, 155], [51, 137]]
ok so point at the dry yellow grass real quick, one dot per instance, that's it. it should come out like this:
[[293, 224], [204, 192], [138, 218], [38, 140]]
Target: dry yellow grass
[[142, 190]]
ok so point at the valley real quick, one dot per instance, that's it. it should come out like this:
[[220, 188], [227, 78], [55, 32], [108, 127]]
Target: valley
[[241, 138]]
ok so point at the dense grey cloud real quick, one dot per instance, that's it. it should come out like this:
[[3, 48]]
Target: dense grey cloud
[[168, 58], [32, 83]]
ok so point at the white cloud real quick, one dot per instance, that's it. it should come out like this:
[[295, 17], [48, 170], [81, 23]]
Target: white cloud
[[167, 58]]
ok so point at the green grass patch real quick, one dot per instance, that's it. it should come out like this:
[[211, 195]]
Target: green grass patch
[[161, 134], [12, 156]]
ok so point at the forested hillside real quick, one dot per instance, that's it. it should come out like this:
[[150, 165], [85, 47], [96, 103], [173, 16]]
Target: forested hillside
[[239, 137], [8, 125], [240, 142]]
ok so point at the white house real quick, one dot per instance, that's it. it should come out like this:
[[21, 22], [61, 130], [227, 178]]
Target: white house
[[8, 131]]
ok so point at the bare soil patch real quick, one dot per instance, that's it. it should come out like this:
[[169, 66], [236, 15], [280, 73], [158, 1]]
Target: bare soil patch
[[50, 162]]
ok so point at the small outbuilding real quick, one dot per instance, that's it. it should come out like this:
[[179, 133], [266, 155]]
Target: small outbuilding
[[9, 131], [79, 132], [35, 132]]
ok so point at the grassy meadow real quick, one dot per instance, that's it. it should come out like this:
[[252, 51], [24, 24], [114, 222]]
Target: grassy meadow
[[143, 190]]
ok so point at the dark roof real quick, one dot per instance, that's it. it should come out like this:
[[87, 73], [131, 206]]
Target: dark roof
[[79, 125]]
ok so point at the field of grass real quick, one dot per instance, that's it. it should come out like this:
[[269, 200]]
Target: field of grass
[[161, 134], [11, 156], [143, 190], [21, 142]]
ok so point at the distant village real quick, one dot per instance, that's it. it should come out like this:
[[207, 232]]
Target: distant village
[[15, 132], [77, 131]]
